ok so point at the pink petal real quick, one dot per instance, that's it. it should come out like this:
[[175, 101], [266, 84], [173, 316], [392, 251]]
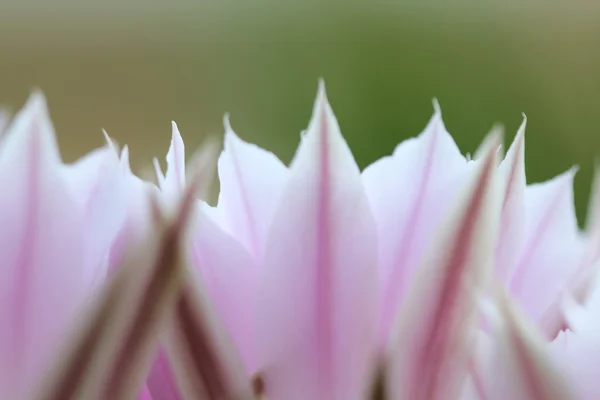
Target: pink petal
[[174, 181], [145, 394], [252, 181], [404, 191], [230, 275], [161, 382], [521, 366], [432, 344], [42, 279], [205, 362], [112, 352], [317, 300], [553, 247], [589, 268], [578, 349], [97, 182], [512, 226]]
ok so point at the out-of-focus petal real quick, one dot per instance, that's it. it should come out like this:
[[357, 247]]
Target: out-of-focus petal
[[145, 394], [432, 344], [4, 120], [111, 352], [161, 380], [577, 349], [42, 279], [317, 301], [175, 175], [230, 275], [404, 191], [512, 225], [520, 366], [553, 247], [252, 181], [97, 182], [204, 360]]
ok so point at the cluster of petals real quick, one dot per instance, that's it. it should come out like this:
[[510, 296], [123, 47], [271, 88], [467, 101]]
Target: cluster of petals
[[428, 275]]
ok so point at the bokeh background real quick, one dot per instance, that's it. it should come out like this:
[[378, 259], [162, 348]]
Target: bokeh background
[[133, 66]]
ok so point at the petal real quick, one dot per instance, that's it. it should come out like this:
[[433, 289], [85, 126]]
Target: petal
[[512, 226], [431, 347], [521, 367], [111, 352], [175, 177], [145, 394], [252, 181], [590, 265], [4, 120], [161, 382], [552, 249], [230, 275], [97, 182], [205, 362], [41, 277], [317, 300], [593, 222], [578, 349], [404, 191]]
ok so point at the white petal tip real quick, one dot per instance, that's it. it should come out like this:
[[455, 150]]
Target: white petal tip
[[227, 123], [492, 142], [37, 97], [436, 106], [111, 143], [175, 129], [321, 95], [521, 131], [573, 171]]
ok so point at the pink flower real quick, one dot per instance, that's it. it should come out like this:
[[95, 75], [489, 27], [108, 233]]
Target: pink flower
[[426, 276]]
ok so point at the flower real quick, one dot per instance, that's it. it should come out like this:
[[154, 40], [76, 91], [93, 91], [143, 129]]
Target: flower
[[428, 275]]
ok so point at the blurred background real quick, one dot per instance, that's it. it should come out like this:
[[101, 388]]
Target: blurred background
[[133, 66]]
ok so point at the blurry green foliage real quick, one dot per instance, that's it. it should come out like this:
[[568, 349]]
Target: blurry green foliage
[[382, 66]]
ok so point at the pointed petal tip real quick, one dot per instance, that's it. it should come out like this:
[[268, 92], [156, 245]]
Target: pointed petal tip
[[36, 104], [227, 123], [492, 144], [321, 100], [322, 89], [110, 142], [520, 136], [37, 97], [175, 129], [571, 172], [230, 134], [106, 137], [524, 118], [437, 109]]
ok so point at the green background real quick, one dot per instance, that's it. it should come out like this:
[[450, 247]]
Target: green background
[[133, 70]]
